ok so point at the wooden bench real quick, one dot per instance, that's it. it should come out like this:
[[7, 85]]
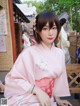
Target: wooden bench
[[73, 72]]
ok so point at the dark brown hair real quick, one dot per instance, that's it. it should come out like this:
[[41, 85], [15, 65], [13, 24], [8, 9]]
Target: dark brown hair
[[25, 30], [62, 22], [41, 20]]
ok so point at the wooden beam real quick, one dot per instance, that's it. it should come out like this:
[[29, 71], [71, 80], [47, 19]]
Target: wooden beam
[[12, 29]]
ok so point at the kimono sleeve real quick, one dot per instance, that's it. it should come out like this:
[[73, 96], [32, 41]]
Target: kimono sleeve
[[61, 87], [19, 77]]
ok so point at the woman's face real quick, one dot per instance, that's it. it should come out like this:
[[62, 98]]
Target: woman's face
[[48, 35]]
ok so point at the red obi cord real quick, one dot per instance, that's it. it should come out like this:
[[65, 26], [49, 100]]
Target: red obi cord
[[46, 84]]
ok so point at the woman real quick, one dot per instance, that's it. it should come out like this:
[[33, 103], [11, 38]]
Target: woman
[[25, 39], [63, 41], [38, 77]]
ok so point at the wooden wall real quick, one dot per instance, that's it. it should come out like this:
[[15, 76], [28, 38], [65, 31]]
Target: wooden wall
[[6, 58], [74, 45]]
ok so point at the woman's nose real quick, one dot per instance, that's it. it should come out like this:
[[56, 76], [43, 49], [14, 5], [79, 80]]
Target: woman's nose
[[50, 32]]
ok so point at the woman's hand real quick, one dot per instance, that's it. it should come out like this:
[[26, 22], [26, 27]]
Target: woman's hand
[[62, 102], [42, 96]]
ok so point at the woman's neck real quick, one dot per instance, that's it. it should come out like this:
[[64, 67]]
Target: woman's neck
[[47, 45]]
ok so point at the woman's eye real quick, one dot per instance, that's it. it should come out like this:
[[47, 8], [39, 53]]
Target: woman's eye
[[54, 28]]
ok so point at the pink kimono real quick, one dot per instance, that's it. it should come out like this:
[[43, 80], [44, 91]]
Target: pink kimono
[[41, 66]]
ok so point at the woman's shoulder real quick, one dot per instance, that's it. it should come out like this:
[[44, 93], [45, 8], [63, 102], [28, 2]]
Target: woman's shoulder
[[29, 49], [59, 51]]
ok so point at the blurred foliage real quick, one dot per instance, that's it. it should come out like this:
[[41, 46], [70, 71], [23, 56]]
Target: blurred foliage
[[72, 7]]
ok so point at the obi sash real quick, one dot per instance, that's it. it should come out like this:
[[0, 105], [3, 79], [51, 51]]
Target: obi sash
[[46, 84]]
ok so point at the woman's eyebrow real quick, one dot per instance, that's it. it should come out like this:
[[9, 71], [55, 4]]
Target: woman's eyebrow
[[54, 25]]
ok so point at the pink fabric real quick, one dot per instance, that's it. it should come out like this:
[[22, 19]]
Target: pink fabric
[[35, 63], [46, 84]]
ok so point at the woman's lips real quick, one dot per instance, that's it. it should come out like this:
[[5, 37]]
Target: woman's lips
[[50, 38]]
